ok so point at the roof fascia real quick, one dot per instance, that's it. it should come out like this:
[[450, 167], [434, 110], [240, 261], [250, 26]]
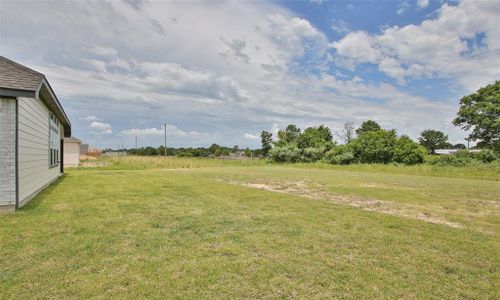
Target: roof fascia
[[17, 93]]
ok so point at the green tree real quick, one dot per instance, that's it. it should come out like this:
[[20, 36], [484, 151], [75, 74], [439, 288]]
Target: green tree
[[315, 137], [266, 139], [149, 151], [368, 126], [432, 139], [160, 150], [215, 150], [459, 146], [374, 146], [481, 113], [408, 152], [289, 135]]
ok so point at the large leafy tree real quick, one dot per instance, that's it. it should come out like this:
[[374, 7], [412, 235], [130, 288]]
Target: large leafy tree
[[368, 126], [481, 113], [408, 152], [375, 146], [266, 140], [315, 137], [433, 139], [289, 135]]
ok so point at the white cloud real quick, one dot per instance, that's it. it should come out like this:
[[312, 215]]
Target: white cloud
[[435, 48], [91, 118], [227, 79], [402, 8], [100, 128], [250, 136], [274, 129], [99, 125], [422, 3], [357, 45], [104, 51], [297, 36], [143, 132], [340, 26], [392, 67], [172, 130]]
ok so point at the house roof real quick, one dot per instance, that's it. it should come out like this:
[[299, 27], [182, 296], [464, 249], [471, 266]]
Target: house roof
[[17, 80], [18, 77]]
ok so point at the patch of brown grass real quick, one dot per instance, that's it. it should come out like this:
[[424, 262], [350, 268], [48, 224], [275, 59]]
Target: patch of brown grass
[[312, 191]]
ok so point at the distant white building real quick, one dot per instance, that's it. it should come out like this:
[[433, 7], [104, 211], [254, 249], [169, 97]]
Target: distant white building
[[71, 151], [451, 151]]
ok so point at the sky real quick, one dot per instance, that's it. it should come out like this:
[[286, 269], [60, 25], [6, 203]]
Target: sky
[[221, 72]]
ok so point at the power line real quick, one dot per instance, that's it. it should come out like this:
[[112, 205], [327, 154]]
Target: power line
[[165, 139]]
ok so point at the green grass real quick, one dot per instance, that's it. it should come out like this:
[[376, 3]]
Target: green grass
[[187, 228], [479, 171]]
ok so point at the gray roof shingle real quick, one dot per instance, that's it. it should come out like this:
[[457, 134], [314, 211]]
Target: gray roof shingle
[[18, 77], [17, 80]]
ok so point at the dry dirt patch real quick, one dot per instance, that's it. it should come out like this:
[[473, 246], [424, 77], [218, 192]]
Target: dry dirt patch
[[313, 191]]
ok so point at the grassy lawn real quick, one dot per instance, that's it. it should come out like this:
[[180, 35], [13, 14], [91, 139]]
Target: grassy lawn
[[188, 228]]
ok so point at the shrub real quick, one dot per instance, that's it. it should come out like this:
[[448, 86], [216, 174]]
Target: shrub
[[487, 156], [408, 152], [459, 159], [311, 154], [285, 154], [374, 146], [340, 155]]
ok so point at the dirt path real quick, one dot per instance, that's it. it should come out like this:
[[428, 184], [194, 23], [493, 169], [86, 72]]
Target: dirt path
[[308, 190]]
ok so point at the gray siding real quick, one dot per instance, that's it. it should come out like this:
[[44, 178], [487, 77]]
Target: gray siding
[[33, 148], [7, 151]]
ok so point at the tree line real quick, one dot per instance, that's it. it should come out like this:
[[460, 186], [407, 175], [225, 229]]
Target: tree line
[[479, 113], [370, 143], [214, 150]]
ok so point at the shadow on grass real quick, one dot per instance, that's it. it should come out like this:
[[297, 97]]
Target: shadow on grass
[[44, 194]]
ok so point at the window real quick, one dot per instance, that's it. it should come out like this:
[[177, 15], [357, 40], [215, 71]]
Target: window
[[54, 140]]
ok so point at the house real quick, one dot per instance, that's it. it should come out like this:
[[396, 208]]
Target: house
[[71, 153], [32, 127], [452, 151]]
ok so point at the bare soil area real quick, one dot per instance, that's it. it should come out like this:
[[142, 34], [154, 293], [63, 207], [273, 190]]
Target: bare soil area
[[313, 191]]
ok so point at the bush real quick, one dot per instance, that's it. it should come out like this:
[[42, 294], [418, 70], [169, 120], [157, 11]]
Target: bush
[[487, 156], [343, 159], [285, 154], [340, 155], [311, 154], [408, 152], [375, 146], [459, 159]]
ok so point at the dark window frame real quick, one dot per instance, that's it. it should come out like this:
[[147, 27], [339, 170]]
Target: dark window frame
[[54, 140]]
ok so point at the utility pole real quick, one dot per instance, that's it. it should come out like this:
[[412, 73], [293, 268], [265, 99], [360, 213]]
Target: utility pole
[[136, 144], [165, 139]]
